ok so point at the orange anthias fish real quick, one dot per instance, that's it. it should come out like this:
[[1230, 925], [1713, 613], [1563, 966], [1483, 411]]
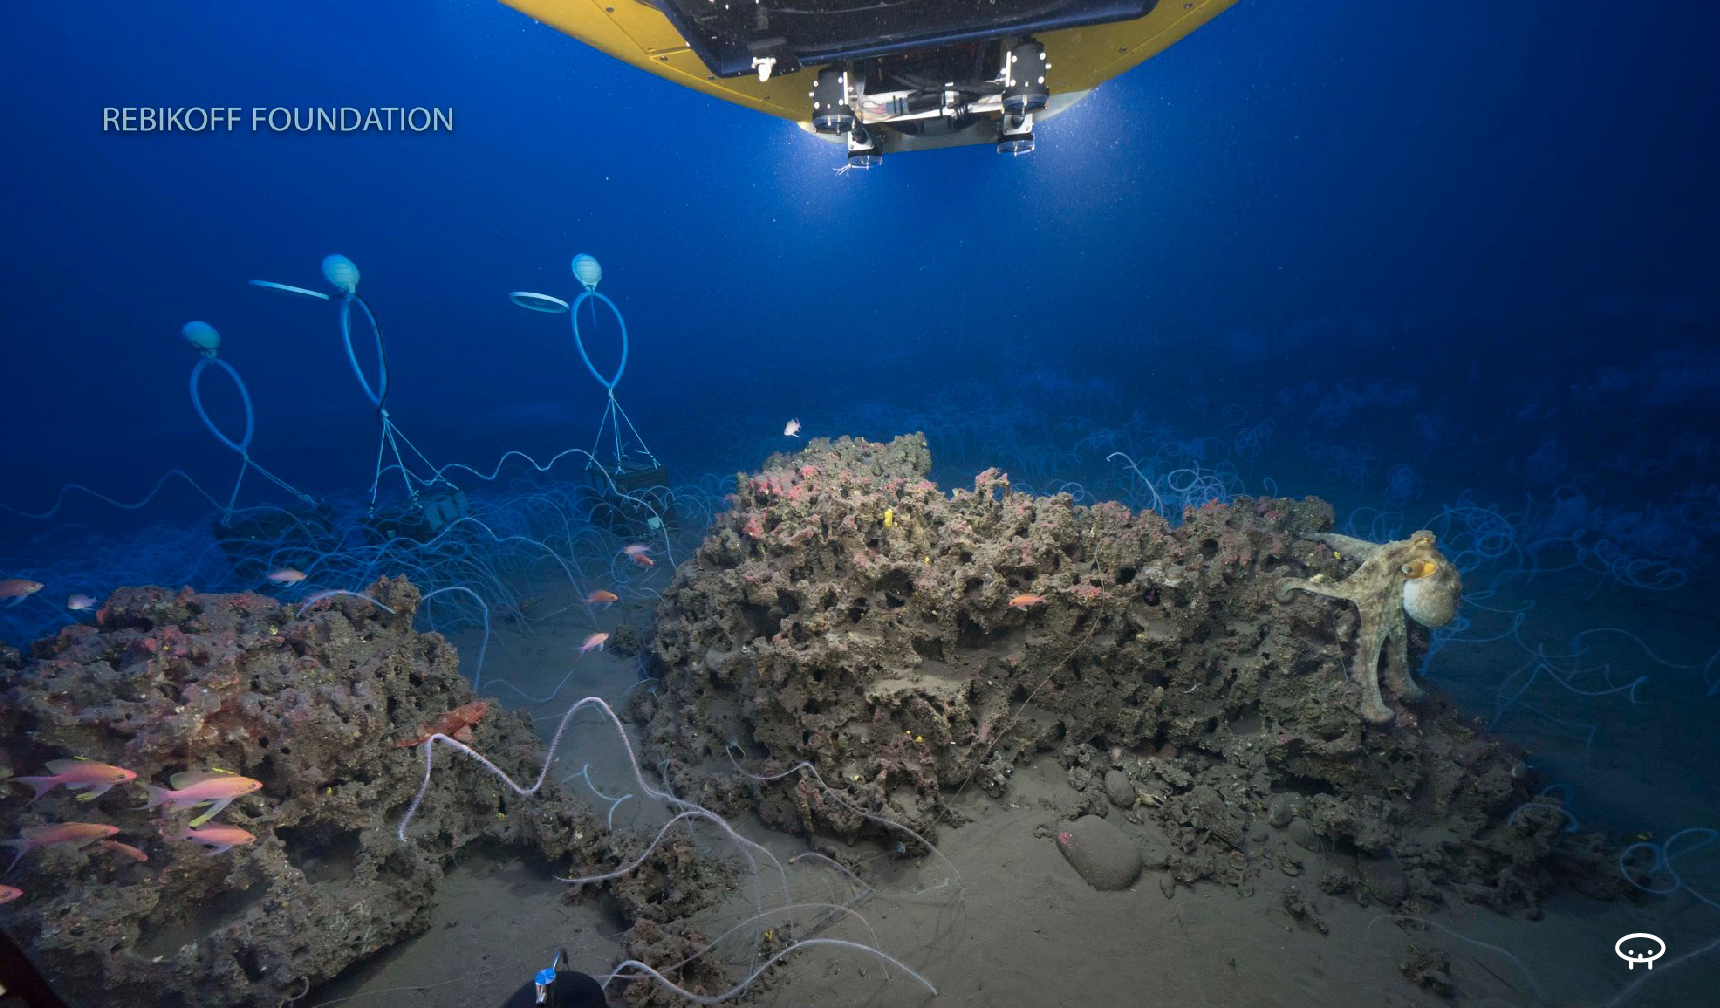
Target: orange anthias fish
[[640, 554], [75, 833], [17, 589], [9, 893], [216, 788], [594, 641], [456, 724], [77, 773], [216, 838], [601, 597], [1023, 601], [122, 849], [286, 576]]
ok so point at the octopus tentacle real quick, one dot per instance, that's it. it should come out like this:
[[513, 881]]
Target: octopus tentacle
[[1377, 590]]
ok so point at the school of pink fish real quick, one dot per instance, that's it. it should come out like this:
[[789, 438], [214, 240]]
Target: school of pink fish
[[212, 789], [215, 789]]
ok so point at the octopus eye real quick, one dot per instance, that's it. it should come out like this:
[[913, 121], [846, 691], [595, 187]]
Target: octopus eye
[[1418, 568]]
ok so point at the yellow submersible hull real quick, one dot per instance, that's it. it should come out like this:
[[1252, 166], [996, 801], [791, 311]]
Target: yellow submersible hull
[[886, 75]]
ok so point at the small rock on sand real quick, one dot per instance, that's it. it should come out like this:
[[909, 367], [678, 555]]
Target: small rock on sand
[[1099, 852], [1119, 790]]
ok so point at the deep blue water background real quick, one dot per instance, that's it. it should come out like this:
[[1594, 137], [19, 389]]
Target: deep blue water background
[[1272, 200], [1477, 240]]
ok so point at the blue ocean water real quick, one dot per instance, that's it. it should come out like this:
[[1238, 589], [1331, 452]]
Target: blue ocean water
[[1446, 266]]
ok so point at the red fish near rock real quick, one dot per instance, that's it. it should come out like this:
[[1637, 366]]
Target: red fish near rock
[[77, 773], [75, 833], [216, 838], [9, 893], [124, 850], [456, 724], [1023, 601]]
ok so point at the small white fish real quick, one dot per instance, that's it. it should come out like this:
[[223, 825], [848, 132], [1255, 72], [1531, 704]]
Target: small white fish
[[78, 603], [286, 576], [792, 428]]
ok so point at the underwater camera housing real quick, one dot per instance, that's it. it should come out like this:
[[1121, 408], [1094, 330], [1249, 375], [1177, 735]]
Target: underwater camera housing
[[888, 77], [911, 75], [610, 487], [276, 538], [422, 519], [971, 93]]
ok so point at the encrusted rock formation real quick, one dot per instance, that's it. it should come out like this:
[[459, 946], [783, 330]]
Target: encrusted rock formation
[[909, 644], [312, 707]]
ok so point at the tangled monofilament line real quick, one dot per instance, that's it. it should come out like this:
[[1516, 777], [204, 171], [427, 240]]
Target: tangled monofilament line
[[685, 811]]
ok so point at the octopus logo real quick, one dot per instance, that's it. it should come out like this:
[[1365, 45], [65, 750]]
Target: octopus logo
[[1639, 952]]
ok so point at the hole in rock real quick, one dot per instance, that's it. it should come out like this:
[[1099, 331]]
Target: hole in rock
[[177, 923], [323, 853]]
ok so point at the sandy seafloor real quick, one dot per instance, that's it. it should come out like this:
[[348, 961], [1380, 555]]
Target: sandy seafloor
[[1024, 930]]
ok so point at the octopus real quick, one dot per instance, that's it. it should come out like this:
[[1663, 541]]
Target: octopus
[[456, 724], [1405, 576]]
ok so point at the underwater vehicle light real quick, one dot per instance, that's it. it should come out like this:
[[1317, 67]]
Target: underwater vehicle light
[[830, 98], [923, 75], [1016, 137], [1024, 74], [863, 149]]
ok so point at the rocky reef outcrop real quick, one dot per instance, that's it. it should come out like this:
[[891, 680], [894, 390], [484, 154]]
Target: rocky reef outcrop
[[313, 707], [911, 644]]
